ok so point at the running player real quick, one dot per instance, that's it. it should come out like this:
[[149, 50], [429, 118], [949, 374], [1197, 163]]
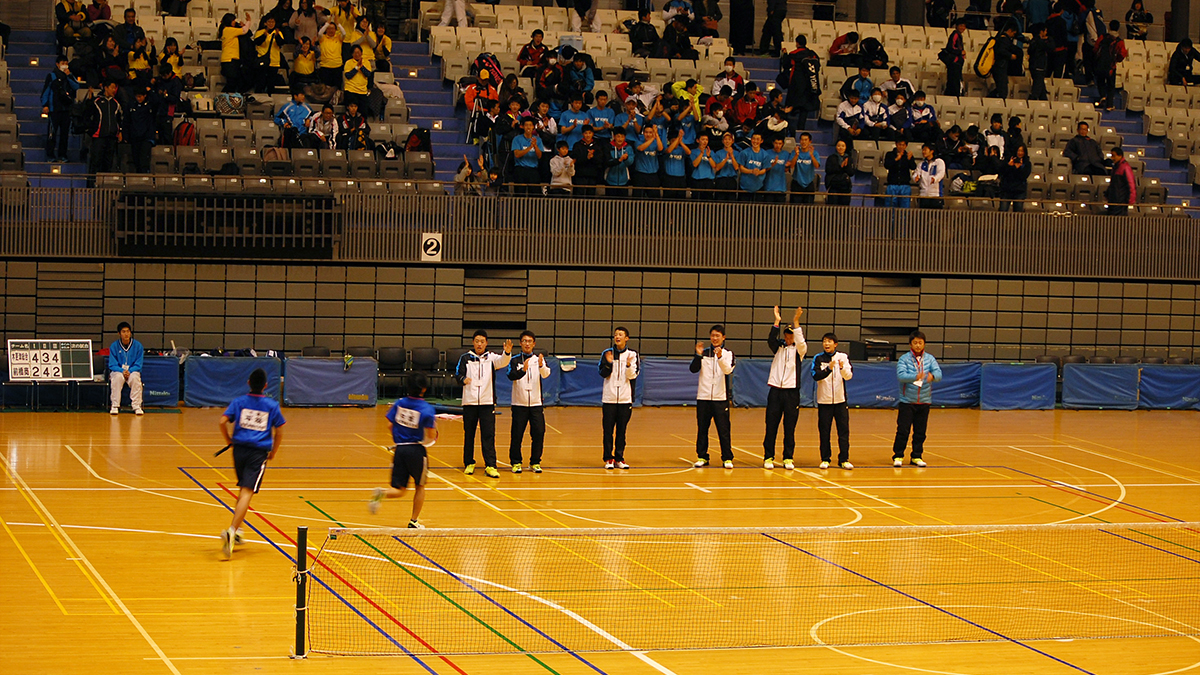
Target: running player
[[526, 371], [256, 437], [714, 363], [475, 371], [783, 388], [412, 423]]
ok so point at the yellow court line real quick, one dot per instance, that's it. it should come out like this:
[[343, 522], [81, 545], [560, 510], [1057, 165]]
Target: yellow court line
[[551, 428], [54, 528], [95, 573], [1125, 461], [556, 543], [33, 567], [206, 463]]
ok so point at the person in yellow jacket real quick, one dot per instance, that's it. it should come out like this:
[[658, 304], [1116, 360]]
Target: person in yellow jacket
[[231, 31], [358, 75], [361, 35], [383, 49], [267, 42], [304, 63], [171, 56], [689, 91], [331, 63], [344, 14]]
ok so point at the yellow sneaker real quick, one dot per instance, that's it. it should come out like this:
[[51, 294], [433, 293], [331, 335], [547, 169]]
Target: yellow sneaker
[[491, 472], [516, 468], [537, 468], [469, 470]]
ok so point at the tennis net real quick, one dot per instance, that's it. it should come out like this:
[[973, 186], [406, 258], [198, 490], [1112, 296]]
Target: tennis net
[[392, 591]]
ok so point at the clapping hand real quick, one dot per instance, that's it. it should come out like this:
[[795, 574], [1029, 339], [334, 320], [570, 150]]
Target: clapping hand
[[699, 349]]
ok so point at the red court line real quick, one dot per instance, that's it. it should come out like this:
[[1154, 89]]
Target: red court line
[[1108, 500], [360, 594]]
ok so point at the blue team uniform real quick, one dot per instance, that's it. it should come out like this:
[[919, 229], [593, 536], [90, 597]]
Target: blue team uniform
[[254, 418], [410, 417]]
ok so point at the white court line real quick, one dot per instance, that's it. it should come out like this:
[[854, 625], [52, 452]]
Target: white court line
[[1113, 504], [580, 488], [95, 573], [693, 485]]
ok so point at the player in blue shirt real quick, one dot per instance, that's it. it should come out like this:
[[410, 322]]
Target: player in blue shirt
[[645, 163], [572, 121], [674, 165], [256, 437], [527, 150], [412, 421], [125, 367], [702, 169]]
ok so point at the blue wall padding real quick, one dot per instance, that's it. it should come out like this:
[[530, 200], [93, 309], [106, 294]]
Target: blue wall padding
[[1092, 386], [1165, 387], [325, 381], [214, 381], [1018, 386], [959, 387]]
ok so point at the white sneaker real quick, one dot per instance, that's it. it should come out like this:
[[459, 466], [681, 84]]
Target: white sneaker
[[847, 466], [376, 500], [729, 464], [768, 464], [789, 464], [227, 543], [622, 465], [898, 461], [138, 412], [114, 410], [918, 462], [700, 463], [412, 524], [610, 465], [824, 465]]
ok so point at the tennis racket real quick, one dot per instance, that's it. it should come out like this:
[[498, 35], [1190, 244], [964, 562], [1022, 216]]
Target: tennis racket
[[222, 450]]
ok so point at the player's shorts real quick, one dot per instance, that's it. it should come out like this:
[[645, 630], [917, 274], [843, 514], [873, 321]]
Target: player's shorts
[[409, 462], [250, 463]]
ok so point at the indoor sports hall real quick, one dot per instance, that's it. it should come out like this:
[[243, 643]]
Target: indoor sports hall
[[517, 337]]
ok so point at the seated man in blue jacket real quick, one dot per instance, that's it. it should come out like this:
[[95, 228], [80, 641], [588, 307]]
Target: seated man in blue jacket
[[125, 367], [916, 371]]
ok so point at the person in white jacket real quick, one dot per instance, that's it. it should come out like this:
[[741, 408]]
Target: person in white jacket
[[526, 372], [562, 169], [619, 366], [475, 371], [930, 173], [714, 364], [783, 388], [830, 370]]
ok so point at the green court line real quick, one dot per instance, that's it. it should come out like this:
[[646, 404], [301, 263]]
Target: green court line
[[435, 590]]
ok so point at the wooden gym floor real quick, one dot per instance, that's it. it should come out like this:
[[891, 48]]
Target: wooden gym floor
[[111, 559]]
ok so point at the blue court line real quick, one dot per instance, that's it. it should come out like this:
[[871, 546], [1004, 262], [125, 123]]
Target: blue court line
[[1150, 545], [1056, 482], [312, 574], [508, 611], [928, 604]]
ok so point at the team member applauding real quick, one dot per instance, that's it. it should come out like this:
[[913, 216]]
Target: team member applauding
[[714, 363], [619, 367], [830, 370], [526, 371], [475, 372]]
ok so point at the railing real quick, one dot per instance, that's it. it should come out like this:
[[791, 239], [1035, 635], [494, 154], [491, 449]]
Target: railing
[[387, 227]]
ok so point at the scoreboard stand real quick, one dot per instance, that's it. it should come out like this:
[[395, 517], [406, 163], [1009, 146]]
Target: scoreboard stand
[[34, 364]]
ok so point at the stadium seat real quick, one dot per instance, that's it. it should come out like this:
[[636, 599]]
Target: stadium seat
[[266, 134], [195, 183], [1152, 192], [286, 185], [238, 132], [189, 158], [392, 169], [216, 158], [306, 163], [168, 183], [162, 159], [279, 166], [334, 164], [419, 165], [395, 111], [249, 160], [227, 184], [257, 184], [392, 364], [362, 164]]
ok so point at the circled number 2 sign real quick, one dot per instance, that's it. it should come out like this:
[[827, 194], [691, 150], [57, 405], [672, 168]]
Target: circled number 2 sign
[[431, 247]]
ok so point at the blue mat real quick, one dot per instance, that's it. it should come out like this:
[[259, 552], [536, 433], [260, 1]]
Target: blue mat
[[1018, 386], [326, 382], [584, 386], [874, 385], [1088, 386], [550, 385], [160, 381], [749, 381], [1165, 387], [214, 381], [668, 382], [959, 387]]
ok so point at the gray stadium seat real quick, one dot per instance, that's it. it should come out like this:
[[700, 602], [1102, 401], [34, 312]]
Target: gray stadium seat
[[334, 164], [419, 165], [362, 164], [248, 160], [306, 163], [162, 159]]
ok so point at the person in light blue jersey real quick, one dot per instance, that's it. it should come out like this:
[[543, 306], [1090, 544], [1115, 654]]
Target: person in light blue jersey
[[256, 421], [645, 163], [572, 121], [674, 165], [806, 160], [752, 163], [703, 169], [125, 367], [601, 117], [726, 168], [775, 182], [412, 421]]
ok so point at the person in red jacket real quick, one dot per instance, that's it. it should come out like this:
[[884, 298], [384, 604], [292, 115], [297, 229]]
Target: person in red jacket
[[1122, 191], [1110, 50], [745, 107], [533, 54]]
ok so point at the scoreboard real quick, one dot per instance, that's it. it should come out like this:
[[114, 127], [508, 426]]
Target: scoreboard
[[49, 360]]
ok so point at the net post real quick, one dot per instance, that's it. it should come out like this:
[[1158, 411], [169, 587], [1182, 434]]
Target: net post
[[301, 590]]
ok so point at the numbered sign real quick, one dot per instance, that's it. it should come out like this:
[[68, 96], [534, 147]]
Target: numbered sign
[[431, 247], [49, 360]]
